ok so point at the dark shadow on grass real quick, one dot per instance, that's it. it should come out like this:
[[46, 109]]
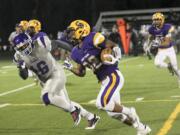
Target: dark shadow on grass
[[35, 130], [53, 131], [70, 84]]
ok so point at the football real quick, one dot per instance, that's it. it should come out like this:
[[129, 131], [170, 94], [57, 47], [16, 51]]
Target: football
[[104, 52]]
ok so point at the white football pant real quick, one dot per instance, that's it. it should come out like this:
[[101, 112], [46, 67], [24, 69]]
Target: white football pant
[[164, 54]]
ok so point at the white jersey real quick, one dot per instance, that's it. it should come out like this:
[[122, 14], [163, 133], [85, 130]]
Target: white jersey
[[40, 61], [12, 36]]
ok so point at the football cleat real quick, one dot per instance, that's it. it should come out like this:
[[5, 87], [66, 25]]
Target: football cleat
[[144, 131], [76, 116], [173, 70], [92, 123], [170, 68], [176, 72], [149, 55]]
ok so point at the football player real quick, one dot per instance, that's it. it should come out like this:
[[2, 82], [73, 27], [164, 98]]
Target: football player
[[161, 37], [20, 28], [34, 54], [24, 25], [34, 27], [87, 55]]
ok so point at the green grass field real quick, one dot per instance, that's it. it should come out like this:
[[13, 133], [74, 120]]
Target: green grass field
[[21, 112]]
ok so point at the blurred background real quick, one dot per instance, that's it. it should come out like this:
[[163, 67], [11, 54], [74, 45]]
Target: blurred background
[[102, 15]]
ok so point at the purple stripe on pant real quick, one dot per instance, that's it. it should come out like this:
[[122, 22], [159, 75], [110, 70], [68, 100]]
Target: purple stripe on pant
[[105, 90]]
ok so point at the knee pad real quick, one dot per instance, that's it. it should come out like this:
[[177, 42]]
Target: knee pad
[[45, 99]]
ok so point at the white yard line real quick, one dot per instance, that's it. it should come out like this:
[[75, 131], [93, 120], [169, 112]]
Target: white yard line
[[92, 101], [6, 70], [17, 90], [27, 104], [33, 84], [23, 88], [130, 59], [140, 65], [3, 72], [139, 99], [4, 105], [175, 96], [86, 103], [7, 67]]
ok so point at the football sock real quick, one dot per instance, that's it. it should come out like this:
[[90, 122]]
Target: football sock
[[84, 113], [119, 116], [126, 110]]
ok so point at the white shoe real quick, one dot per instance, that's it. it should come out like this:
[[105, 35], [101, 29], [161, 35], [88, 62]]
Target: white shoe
[[92, 123], [144, 131]]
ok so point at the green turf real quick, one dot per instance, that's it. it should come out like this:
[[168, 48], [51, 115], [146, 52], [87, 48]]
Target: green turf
[[142, 79]]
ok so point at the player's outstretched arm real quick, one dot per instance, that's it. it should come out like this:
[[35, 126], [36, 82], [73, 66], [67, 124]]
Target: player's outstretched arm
[[23, 71], [79, 70], [147, 48]]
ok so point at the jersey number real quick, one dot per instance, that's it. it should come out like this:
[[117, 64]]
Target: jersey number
[[42, 68], [93, 63]]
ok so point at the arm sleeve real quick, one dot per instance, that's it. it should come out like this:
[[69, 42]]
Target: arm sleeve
[[74, 57]]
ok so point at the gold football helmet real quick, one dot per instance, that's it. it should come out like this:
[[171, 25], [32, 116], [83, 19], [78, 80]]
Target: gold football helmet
[[35, 24], [24, 25], [79, 29], [158, 19]]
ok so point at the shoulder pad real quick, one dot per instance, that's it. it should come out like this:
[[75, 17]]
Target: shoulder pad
[[98, 39], [40, 34], [171, 29]]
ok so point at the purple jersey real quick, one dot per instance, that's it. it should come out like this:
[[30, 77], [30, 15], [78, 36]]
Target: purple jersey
[[161, 33], [89, 56]]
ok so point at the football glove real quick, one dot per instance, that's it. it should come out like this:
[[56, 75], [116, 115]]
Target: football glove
[[67, 65], [117, 52], [113, 61], [114, 58], [21, 64], [156, 43]]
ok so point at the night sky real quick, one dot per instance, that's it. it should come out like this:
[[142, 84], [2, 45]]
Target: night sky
[[57, 14]]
